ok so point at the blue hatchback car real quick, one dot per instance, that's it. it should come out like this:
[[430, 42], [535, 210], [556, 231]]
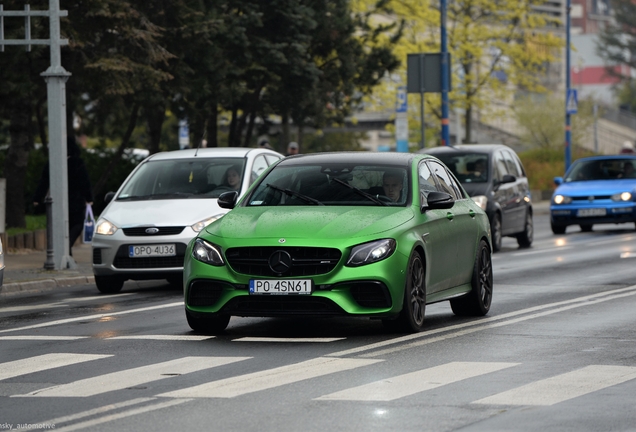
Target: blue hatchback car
[[595, 190]]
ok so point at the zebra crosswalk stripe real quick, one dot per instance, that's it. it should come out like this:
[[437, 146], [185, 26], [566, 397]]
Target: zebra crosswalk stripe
[[267, 379], [132, 377], [563, 387], [44, 362], [415, 382]]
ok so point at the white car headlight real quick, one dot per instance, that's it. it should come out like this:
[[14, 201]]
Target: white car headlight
[[207, 252], [371, 252], [104, 227], [623, 196], [562, 199], [205, 222], [481, 201]]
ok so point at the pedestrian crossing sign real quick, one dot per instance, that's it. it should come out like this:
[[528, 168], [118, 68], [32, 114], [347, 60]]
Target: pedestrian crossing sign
[[571, 105]]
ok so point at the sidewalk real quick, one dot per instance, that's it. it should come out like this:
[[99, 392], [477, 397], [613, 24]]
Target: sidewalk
[[24, 271], [24, 268]]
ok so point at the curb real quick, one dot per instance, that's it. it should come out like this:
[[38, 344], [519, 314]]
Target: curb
[[44, 284]]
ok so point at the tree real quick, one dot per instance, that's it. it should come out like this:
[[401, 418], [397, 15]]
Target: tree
[[496, 48], [616, 45]]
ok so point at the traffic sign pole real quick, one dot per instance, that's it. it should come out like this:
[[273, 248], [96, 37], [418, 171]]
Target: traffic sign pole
[[568, 131]]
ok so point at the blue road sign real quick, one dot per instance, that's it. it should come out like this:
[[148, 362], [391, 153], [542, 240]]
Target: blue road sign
[[572, 102], [400, 105]]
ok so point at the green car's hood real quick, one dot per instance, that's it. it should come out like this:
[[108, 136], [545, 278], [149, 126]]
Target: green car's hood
[[303, 222]]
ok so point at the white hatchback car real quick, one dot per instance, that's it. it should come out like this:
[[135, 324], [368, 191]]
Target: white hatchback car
[[168, 198]]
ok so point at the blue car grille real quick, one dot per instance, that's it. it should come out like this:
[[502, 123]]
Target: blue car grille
[[305, 261], [594, 198]]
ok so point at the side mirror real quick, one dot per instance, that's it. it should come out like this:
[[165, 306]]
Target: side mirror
[[109, 197], [508, 178], [227, 200], [558, 180], [438, 200]]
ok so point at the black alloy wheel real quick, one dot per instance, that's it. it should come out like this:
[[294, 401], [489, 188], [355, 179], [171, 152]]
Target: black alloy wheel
[[477, 302], [495, 232], [411, 319], [524, 240]]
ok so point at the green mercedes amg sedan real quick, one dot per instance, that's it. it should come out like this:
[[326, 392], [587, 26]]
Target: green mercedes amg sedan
[[377, 235]]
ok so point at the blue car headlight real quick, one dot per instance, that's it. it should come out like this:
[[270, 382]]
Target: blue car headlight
[[623, 196], [207, 252], [371, 252], [562, 199]]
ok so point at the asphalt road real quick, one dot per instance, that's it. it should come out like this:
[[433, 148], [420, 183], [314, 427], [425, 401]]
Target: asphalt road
[[555, 353]]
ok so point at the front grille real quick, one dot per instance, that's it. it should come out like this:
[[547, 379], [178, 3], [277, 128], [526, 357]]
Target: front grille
[[256, 305], [594, 198], [370, 294], [205, 292], [123, 261], [163, 231], [305, 261]]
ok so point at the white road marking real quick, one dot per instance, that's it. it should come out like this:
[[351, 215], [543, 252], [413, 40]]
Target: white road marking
[[415, 382], [162, 337], [272, 339], [132, 377], [96, 411], [98, 297], [267, 379], [121, 415], [32, 308], [563, 387], [93, 317], [482, 324], [31, 338], [44, 362]]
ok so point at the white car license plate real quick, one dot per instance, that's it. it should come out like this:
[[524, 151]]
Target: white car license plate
[[591, 212], [280, 286], [152, 250]]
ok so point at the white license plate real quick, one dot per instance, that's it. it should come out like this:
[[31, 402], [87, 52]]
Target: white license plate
[[280, 286], [591, 212], [152, 250]]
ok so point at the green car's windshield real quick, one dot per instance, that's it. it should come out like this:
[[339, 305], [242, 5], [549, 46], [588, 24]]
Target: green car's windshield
[[351, 185], [184, 178], [467, 167]]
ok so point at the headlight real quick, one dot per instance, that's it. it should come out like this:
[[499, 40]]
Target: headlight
[[561, 199], [481, 201], [207, 253], [623, 196], [368, 253], [105, 228], [205, 222]]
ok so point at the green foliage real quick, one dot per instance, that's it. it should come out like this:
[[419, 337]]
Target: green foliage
[[332, 141], [543, 164], [33, 223]]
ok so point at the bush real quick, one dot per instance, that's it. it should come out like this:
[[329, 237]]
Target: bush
[[543, 164]]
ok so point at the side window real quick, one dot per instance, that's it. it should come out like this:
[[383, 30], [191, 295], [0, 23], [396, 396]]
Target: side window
[[511, 164], [260, 164], [271, 159], [502, 169], [425, 181], [444, 180]]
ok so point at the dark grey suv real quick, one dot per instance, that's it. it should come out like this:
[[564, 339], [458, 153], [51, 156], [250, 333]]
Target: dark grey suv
[[494, 177]]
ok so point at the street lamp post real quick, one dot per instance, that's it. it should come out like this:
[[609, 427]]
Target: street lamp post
[[568, 131], [445, 75]]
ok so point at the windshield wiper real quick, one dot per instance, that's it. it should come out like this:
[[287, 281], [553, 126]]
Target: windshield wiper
[[360, 192], [289, 192]]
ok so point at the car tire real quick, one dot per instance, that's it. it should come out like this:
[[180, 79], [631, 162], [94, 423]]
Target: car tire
[[109, 284], [210, 325], [477, 302], [524, 240], [557, 228], [586, 227], [411, 318], [495, 232]]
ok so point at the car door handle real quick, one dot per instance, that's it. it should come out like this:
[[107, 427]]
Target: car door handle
[[450, 216]]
